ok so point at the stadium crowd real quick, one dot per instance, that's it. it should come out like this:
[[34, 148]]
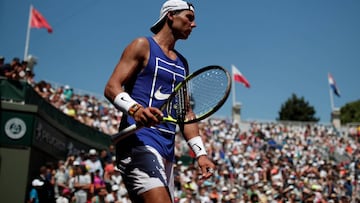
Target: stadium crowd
[[256, 161], [88, 109], [267, 162]]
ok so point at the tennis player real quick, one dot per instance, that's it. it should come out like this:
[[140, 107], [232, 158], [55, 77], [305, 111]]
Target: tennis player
[[146, 74]]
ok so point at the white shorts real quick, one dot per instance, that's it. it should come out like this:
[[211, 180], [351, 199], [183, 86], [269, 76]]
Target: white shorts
[[143, 169]]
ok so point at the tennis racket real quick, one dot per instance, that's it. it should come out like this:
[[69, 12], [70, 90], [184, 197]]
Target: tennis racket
[[197, 97]]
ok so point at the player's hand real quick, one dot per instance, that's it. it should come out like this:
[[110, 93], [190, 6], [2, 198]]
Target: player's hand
[[148, 116], [207, 166]]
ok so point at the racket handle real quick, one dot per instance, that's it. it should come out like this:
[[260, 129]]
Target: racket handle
[[125, 133]]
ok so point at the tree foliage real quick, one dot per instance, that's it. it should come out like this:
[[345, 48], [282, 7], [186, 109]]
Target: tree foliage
[[297, 109], [350, 113]]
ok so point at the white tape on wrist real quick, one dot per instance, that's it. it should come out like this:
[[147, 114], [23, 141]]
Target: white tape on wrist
[[197, 145], [124, 102]]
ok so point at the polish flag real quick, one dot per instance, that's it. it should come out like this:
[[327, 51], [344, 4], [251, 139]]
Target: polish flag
[[38, 21], [238, 77]]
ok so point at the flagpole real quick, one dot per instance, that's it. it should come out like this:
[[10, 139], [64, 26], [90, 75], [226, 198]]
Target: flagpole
[[331, 100], [28, 34], [233, 86]]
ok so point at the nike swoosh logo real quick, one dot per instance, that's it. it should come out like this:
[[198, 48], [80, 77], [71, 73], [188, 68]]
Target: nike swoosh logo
[[199, 148], [159, 95], [123, 98]]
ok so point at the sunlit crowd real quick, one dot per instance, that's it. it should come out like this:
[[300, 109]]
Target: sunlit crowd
[[88, 109], [256, 161], [261, 162]]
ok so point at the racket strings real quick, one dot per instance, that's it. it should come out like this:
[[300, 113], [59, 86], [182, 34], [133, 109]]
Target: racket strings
[[199, 96], [206, 90]]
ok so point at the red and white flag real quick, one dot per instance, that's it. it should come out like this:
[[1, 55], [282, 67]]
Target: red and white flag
[[239, 77], [38, 21]]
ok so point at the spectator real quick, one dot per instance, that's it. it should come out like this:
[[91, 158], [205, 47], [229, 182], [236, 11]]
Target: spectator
[[64, 196], [9, 69], [97, 180], [113, 196], [204, 196], [61, 178], [67, 93], [73, 176], [29, 77], [69, 109], [34, 196], [82, 157], [46, 191], [93, 163], [82, 183], [99, 196], [84, 103]]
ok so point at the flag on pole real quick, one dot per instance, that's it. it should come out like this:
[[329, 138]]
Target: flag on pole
[[238, 77], [333, 86], [38, 21]]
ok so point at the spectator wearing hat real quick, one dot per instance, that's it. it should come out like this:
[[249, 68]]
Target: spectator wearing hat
[[67, 93], [225, 194], [234, 195], [73, 175], [93, 163], [33, 195]]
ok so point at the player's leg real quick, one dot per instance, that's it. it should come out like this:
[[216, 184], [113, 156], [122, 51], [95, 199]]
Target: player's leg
[[146, 175]]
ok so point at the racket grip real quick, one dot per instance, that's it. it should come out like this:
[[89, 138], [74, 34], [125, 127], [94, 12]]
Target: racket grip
[[125, 133]]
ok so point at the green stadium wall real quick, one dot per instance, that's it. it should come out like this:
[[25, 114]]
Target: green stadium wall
[[34, 133]]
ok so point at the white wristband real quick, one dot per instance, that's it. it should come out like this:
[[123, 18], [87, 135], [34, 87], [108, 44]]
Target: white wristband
[[124, 102], [197, 145]]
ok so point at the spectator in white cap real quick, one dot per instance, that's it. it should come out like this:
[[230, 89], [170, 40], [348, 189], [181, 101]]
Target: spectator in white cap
[[93, 163], [33, 195], [146, 74]]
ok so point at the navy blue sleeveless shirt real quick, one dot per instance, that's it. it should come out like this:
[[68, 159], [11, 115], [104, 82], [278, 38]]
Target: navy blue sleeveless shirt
[[152, 87]]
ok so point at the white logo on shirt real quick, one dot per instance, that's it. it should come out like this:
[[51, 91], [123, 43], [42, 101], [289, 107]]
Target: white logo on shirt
[[159, 95]]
